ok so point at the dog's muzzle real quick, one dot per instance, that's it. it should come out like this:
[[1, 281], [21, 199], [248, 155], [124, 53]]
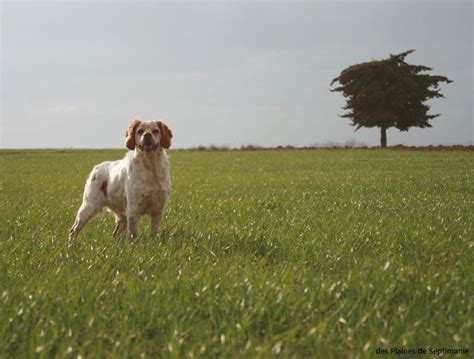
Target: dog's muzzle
[[147, 142], [147, 139]]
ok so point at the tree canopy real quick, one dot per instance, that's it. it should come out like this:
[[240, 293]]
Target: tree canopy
[[388, 93]]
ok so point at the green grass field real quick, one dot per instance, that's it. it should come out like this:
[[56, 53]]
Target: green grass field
[[322, 253]]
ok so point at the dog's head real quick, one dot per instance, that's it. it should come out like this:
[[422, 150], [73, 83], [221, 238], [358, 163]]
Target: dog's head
[[147, 135]]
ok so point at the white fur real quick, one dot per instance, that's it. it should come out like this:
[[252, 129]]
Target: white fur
[[136, 185]]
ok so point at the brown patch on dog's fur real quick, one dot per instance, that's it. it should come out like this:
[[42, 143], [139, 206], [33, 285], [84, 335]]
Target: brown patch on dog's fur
[[103, 188], [166, 135], [130, 134]]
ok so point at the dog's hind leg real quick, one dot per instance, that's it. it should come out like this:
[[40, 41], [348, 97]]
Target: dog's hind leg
[[84, 215], [93, 200], [120, 224]]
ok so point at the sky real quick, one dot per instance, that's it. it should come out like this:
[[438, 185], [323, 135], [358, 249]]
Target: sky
[[74, 74]]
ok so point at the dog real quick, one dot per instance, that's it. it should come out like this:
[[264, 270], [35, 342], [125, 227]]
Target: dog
[[136, 185]]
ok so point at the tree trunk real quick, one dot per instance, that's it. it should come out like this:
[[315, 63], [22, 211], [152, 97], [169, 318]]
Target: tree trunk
[[383, 137]]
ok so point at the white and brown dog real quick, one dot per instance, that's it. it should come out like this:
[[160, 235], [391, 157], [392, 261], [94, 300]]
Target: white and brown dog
[[136, 185]]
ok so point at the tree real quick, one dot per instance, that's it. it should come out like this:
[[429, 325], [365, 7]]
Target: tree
[[388, 93]]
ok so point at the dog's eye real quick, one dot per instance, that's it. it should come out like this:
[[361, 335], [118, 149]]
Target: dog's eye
[[155, 131], [140, 131]]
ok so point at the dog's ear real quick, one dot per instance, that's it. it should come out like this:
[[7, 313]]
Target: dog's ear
[[166, 135], [130, 134]]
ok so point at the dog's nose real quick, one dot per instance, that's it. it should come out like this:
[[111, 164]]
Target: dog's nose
[[147, 137]]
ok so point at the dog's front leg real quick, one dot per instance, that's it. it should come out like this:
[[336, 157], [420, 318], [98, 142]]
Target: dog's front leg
[[155, 221], [132, 222], [157, 213], [133, 216]]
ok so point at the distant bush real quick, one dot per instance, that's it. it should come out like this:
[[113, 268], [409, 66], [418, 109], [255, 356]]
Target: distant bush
[[250, 147], [351, 143], [210, 148]]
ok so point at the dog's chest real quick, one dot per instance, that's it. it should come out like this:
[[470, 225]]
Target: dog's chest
[[150, 178]]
